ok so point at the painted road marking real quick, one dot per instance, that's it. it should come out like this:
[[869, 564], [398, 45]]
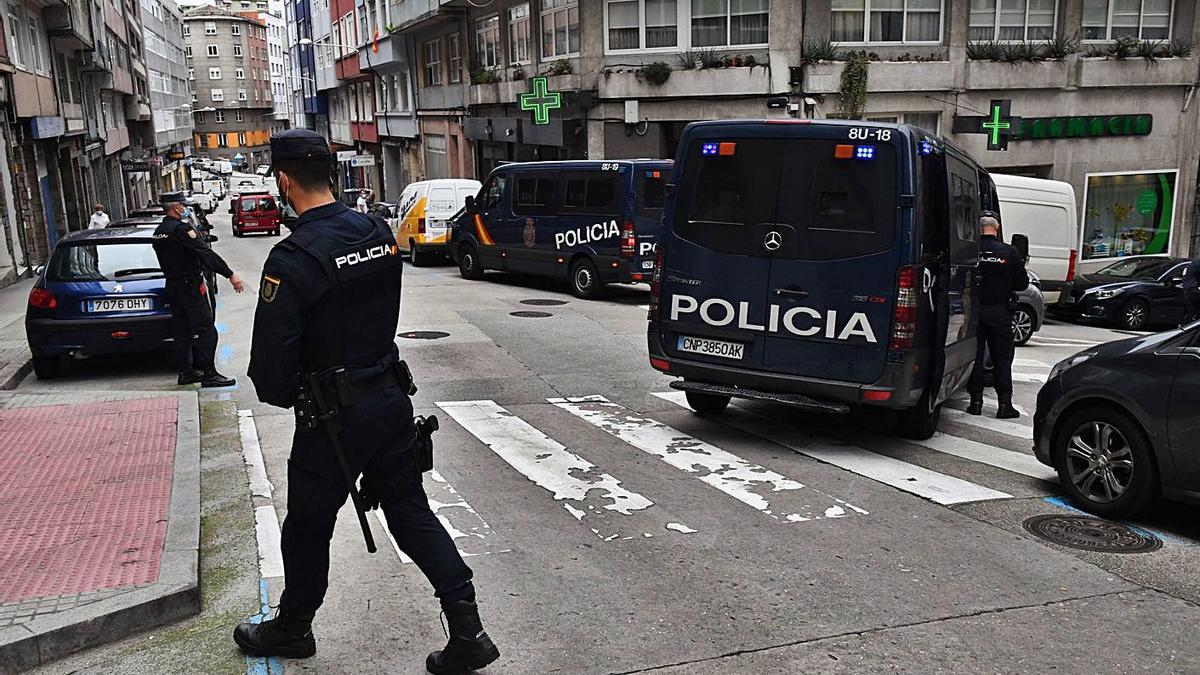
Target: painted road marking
[[462, 522], [936, 487], [1039, 378], [260, 485], [748, 483], [1062, 342], [1014, 429], [592, 497], [1031, 363], [1017, 462], [266, 533]]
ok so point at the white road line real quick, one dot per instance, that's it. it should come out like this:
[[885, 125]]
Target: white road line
[[260, 486], [644, 308], [598, 497], [465, 526], [1014, 429], [936, 487], [1062, 342], [990, 403], [748, 483], [1031, 363], [1039, 378], [1017, 462], [266, 520]]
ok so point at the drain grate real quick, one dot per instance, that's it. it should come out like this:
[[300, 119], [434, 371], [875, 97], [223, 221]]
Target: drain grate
[[543, 302], [531, 315], [1092, 534], [423, 335]]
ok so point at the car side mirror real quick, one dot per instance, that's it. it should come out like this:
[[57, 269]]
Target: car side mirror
[[1021, 243], [470, 202], [37, 271]]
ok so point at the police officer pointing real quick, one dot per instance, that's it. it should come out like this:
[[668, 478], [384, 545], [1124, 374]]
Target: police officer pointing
[[183, 256], [324, 330], [1002, 273]]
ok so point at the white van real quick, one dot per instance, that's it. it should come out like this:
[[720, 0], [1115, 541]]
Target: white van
[[1044, 211], [423, 216]]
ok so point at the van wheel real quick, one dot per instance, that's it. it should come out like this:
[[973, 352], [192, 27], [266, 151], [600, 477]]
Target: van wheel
[[419, 258], [1105, 462], [706, 404], [585, 280], [469, 265], [920, 422], [47, 367]]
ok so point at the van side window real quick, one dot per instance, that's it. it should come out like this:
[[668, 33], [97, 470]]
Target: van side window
[[534, 195], [653, 192], [964, 208], [493, 192], [266, 204], [594, 192]]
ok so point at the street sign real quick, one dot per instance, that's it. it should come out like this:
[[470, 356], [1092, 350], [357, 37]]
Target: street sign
[[130, 166], [346, 155], [362, 160], [541, 101]]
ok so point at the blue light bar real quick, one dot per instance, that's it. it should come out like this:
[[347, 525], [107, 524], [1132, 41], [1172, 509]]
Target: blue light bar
[[864, 152], [926, 148], [709, 149]]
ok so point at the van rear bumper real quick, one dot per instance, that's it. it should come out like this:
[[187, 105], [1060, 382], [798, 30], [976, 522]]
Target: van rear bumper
[[615, 269], [903, 395]]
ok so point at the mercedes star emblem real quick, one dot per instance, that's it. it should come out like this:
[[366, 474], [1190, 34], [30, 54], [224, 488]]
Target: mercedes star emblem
[[773, 241]]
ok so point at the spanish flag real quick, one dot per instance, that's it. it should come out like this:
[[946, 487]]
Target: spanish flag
[[375, 42]]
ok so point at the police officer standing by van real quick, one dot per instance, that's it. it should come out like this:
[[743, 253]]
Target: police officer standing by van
[[183, 256], [324, 330], [1002, 274]]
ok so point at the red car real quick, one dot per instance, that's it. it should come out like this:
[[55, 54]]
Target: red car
[[255, 212]]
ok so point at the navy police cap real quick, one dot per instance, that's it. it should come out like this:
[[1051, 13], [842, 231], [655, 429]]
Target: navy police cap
[[299, 144], [165, 198]]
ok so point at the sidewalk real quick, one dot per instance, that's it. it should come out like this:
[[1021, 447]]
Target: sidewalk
[[99, 519], [15, 362]]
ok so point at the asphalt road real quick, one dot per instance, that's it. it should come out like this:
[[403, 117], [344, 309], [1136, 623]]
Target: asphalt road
[[611, 530]]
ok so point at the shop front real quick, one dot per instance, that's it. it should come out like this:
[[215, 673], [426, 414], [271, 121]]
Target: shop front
[[1129, 213]]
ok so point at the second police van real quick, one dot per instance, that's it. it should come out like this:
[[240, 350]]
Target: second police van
[[588, 222], [821, 264]]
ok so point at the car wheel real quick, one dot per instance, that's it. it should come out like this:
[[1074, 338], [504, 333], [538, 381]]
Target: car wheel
[[47, 367], [1104, 462], [469, 265], [1135, 315], [1022, 325], [920, 423], [237, 231], [585, 280], [419, 258], [275, 232], [707, 404]]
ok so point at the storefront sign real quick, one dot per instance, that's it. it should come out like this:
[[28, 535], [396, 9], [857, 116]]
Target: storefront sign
[[362, 160], [131, 166], [47, 127], [1001, 127], [541, 101], [346, 155], [175, 155]]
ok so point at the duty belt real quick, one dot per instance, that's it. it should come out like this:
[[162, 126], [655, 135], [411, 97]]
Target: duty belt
[[343, 387]]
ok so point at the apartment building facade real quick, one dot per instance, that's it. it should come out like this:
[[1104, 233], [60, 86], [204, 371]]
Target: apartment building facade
[[170, 93]]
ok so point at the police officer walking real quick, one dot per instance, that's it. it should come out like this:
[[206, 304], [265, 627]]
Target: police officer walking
[[324, 330], [183, 256], [1002, 273]]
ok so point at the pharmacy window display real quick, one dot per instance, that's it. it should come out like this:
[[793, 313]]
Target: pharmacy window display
[[1128, 214]]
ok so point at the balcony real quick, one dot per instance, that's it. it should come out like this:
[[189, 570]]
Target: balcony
[[448, 97], [614, 84], [412, 13], [507, 92], [994, 75], [364, 131], [392, 54], [1136, 72], [69, 24], [396, 124], [882, 76]]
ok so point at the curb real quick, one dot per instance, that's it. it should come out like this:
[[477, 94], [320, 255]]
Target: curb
[[174, 596], [11, 375]]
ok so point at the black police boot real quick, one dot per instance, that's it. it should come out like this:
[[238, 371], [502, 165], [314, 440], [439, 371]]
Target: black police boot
[[191, 376], [1006, 411], [976, 407], [469, 647], [215, 379], [288, 635]]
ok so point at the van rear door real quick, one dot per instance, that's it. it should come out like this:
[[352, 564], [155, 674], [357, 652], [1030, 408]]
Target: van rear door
[[716, 268], [439, 206], [836, 256], [650, 195]]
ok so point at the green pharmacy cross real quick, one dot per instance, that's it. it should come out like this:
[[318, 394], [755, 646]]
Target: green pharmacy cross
[[541, 101], [998, 125]]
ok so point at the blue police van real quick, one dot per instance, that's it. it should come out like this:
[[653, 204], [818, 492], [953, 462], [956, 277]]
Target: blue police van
[[589, 222], [824, 264]]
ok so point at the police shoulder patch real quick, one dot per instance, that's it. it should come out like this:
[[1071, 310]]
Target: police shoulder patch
[[191, 233], [270, 288]]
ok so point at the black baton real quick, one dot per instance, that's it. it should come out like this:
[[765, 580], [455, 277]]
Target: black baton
[[332, 427]]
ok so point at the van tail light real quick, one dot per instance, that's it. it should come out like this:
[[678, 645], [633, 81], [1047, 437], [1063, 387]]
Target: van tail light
[[42, 299], [904, 316], [660, 364], [656, 283], [1071, 265], [628, 240], [421, 224]]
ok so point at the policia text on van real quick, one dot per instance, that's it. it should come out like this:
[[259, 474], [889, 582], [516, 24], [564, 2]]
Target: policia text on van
[[590, 222], [821, 264]]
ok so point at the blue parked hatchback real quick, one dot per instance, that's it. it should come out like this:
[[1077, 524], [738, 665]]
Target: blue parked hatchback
[[102, 292]]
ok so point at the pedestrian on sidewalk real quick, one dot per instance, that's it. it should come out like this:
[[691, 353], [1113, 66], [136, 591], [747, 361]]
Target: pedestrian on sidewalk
[[363, 205], [183, 257], [99, 219], [326, 318]]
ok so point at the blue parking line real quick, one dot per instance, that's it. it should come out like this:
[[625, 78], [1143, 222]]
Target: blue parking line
[[1061, 502], [224, 355], [221, 328], [262, 665]]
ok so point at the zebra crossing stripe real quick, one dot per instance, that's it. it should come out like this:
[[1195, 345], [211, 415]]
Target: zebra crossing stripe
[[464, 525], [1016, 462], [593, 498], [1014, 429], [936, 487], [748, 483]]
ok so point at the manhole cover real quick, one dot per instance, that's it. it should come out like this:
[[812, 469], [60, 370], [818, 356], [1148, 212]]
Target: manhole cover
[[1092, 534], [543, 302], [423, 335], [531, 315]]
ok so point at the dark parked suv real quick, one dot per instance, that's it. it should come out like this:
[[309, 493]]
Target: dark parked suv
[[1119, 422]]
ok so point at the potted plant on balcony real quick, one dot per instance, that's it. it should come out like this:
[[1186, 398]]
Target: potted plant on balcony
[[656, 73]]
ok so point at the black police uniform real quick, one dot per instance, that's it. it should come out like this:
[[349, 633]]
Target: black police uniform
[[1002, 273], [183, 256]]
